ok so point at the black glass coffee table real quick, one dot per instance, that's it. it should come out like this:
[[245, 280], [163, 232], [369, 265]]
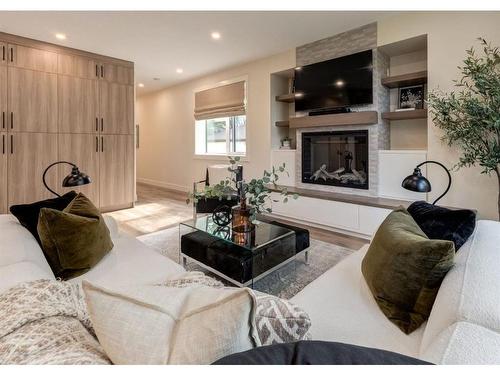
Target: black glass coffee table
[[240, 258]]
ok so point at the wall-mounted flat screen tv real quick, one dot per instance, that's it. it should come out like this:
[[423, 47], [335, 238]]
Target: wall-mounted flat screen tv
[[341, 82]]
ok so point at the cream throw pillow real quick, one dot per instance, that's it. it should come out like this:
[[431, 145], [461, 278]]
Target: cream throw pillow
[[160, 325]]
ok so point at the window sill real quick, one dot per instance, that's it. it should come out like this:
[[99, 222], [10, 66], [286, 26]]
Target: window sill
[[218, 157]]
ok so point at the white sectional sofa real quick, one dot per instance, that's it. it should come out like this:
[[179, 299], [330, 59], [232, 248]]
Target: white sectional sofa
[[129, 263], [464, 326]]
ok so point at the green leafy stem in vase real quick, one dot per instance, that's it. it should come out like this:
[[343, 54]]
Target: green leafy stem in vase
[[256, 191]]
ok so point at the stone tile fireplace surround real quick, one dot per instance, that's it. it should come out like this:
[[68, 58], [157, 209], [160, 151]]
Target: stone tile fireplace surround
[[347, 43]]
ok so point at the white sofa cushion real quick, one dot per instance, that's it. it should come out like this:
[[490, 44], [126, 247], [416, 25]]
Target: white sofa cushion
[[342, 309], [18, 245], [112, 226], [16, 273], [464, 343], [131, 262], [161, 325], [471, 290]]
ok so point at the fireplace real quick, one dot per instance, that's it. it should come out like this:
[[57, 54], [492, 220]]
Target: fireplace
[[335, 158]]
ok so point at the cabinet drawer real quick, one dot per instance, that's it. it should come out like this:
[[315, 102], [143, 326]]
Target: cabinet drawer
[[319, 211]]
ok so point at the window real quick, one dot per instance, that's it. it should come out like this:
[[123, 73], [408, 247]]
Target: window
[[221, 136]]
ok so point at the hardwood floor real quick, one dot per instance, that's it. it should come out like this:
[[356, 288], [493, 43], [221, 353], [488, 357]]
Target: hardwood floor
[[158, 208], [155, 209]]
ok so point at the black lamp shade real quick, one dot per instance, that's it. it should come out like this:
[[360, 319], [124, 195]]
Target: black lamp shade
[[76, 178], [417, 182]]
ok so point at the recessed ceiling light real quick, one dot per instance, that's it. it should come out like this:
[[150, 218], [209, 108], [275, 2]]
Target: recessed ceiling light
[[61, 36], [215, 35], [140, 84], [179, 70], [339, 83]]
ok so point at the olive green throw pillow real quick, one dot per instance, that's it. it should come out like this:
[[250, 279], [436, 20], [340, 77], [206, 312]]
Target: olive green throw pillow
[[404, 269], [75, 239]]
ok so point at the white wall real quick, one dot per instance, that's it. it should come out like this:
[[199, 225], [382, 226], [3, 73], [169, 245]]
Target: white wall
[[167, 125], [166, 153], [448, 36]]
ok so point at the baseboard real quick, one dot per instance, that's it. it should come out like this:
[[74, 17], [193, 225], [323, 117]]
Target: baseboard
[[165, 185]]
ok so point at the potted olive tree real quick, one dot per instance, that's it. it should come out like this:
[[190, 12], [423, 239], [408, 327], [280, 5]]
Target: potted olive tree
[[470, 116]]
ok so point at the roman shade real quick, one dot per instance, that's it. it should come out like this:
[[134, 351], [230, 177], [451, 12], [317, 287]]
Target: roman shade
[[221, 101]]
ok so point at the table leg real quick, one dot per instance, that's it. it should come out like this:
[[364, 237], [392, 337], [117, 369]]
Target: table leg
[[306, 257]]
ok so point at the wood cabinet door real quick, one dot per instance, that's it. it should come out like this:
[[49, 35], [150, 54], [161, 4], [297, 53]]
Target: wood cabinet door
[[32, 58], [4, 53], [117, 73], [114, 172], [77, 66], [82, 150], [130, 169], [117, 108], [28, 156], [3, 98], [3, 173], [78, 105], [32, 100]]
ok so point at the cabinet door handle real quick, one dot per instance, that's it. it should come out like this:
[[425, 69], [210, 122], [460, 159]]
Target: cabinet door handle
[[96, 124], [102, 144], [12, 120], [11, 144], [96, 144], [3, 120], [96, 70], [3, 143], [102, 124], [3, 53], [11, 54], [102, 71]]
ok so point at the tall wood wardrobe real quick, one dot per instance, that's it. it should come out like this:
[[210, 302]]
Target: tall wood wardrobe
[[58, 103]]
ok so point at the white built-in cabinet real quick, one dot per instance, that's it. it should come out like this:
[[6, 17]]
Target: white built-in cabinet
[[346, 217]]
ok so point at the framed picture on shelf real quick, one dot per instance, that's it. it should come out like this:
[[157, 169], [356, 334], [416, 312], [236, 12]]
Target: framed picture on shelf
[[411, 97]]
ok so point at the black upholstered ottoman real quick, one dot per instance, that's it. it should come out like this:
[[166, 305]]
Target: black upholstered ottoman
[[232, 261], [301, 235]]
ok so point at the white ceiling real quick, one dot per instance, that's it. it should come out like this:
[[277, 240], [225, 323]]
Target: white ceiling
[[161, 42]]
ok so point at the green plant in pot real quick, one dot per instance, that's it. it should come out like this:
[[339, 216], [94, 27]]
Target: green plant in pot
[[470, 116], [254, 195]]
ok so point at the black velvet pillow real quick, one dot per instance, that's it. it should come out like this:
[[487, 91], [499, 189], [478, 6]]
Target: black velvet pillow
[[440, 223], [27, 214], [317, 353]]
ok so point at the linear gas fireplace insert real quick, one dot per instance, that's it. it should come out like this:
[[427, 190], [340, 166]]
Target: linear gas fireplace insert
[[335, 158]]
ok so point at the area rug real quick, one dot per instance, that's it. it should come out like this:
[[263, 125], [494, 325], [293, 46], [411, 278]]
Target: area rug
[[284, 282]]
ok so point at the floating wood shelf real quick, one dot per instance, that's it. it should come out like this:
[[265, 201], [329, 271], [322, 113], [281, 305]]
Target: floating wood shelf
[[417, 78], [286, 98], [282, 124], [339, 119], [405, 115]]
